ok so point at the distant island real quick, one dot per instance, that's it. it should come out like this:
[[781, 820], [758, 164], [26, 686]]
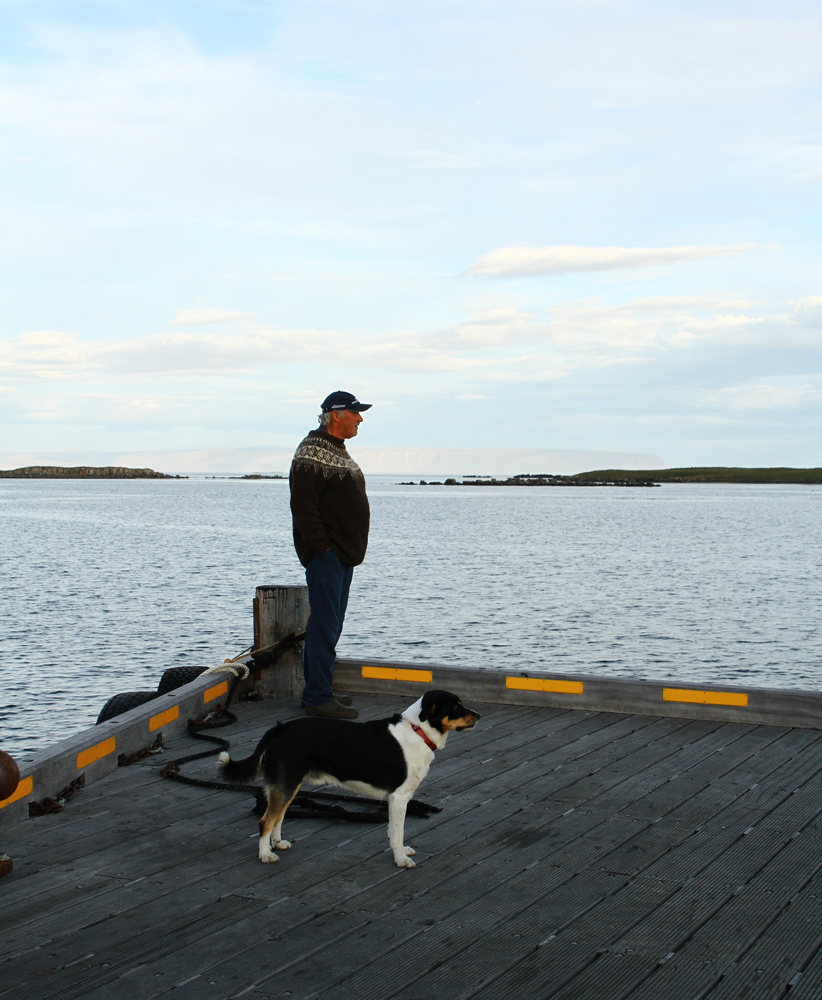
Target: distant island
[[637, 477], [708, 474], [83, 472]]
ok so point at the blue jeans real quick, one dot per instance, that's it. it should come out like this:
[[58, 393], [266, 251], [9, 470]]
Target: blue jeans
[[328, 585]]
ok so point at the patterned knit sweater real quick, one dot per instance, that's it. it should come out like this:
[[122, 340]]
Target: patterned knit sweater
[[329, 507]]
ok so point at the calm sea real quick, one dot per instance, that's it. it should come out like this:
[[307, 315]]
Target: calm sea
[[106, 584]]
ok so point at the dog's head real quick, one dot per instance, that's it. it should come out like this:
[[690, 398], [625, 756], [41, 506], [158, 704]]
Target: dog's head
[[446, 713]]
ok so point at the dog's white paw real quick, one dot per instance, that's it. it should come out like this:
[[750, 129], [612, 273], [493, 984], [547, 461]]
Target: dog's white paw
[[409, 851], [268, 857], [403, 861], [282, 845]]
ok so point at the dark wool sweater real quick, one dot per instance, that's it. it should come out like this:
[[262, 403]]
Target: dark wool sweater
[[329, 507]]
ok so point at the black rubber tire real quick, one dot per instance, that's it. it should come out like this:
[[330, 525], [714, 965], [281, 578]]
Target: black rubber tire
[[123, 703], [176, 677]]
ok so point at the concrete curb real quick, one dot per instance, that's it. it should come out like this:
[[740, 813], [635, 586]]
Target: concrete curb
[[752, 706], [95, 751]]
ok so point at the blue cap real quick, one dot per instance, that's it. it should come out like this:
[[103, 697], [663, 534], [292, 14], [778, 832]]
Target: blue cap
[[340, 400]]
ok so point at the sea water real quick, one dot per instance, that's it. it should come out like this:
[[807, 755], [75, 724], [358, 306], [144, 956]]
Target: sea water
[[105, 584]]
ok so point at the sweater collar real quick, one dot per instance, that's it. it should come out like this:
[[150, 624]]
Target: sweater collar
[[327, 438]]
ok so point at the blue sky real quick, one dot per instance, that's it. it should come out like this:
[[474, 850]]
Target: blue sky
[[508, 224]]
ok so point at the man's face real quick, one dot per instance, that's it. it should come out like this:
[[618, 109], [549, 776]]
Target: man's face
[[344, 423]]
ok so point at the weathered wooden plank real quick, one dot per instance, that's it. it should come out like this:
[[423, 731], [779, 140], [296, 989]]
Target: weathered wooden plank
[[612, 776], [451, 984], [615, 973], [140, 815], [555, 959], [807, 983], [492, 909], [79, 820], [444, 983], [64, 983], [750, 910], [547, 965], [279, 611], [698, 796], [135, 873], [784, 949], [586, 941]]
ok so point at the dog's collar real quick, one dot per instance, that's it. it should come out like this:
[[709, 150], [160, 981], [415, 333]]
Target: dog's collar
[[421, 732]]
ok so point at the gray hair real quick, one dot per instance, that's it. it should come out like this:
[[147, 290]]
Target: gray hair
[[325, 419]]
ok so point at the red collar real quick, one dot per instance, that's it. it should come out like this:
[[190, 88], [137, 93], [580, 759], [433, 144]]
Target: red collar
[[421, 732]]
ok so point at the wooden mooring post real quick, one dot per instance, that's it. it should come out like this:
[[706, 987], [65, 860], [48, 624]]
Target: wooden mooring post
[[279, 611]]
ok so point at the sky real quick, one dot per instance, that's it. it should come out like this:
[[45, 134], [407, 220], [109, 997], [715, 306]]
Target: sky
[[508, 225]]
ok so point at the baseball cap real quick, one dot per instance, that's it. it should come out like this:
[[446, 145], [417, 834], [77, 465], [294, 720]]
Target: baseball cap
[[340, 400]]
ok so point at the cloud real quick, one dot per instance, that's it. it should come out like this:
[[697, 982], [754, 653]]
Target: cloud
[[808, 310], [528, 261], [763, 396], [206, 316], [809, 176], [497, 343]]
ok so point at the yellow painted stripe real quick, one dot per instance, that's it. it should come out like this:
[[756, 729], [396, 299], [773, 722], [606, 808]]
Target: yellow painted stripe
[[26, 787], [681, 694], [564, 687], [705, 697], [96, 752], [426, 676], [158, 721], [379, 673], [543, 684], [397, 674], [215, 692], [524, 683]]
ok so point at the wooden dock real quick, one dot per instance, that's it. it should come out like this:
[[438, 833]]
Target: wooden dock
[[578, 854]]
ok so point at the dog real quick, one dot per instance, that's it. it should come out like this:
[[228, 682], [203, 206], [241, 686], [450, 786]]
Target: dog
[[387, 758]]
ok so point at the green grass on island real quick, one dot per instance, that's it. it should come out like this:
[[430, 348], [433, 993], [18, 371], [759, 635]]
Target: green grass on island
[[642, 477], [83, 472], [707, 474]]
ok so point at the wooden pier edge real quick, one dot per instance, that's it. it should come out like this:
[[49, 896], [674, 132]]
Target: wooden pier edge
[[684, 700], [95, 751]]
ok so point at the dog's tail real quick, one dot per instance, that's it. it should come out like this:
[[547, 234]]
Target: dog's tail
[[247, 770]]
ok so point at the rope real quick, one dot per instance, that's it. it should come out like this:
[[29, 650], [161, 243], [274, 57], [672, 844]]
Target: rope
[[306, 805], [286, 643]]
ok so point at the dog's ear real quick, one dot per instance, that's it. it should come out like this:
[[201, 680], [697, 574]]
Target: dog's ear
[[428, 708]]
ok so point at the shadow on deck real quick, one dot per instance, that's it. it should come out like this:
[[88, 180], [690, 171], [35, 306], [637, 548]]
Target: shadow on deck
[[578, 855]]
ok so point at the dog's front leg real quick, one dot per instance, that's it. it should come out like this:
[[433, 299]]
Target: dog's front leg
[[397, 805]]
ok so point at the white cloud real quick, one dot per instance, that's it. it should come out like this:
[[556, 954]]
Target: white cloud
[[763, 396], [808, 310], [206, 316], [809, 176], [527, 261], [496, 343]]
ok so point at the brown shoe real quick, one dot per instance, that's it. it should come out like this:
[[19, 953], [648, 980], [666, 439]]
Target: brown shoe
[[332, 710], [343, 699]]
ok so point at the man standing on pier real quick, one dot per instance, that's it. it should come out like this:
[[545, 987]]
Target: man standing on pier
[[331, 516]]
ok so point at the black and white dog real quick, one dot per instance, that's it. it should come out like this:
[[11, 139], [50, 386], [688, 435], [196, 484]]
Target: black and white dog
[[384, 759]]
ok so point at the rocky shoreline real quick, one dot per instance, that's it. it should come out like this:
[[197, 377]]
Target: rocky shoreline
[[536, 481], [83, 472], [627, 477]]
